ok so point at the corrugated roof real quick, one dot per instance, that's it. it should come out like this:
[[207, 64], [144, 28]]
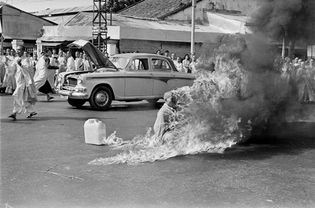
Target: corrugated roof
[[2, 4], [85, 19], [62, 19], [81, 19], [71, 10], [156, 9]]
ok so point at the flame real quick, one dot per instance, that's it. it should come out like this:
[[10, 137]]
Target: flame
[[219, 110]]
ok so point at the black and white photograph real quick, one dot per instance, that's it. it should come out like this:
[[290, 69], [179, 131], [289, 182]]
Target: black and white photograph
[[157, 103]]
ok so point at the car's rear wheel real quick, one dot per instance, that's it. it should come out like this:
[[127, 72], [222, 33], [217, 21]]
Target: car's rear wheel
[[76, 102], [101, 98]]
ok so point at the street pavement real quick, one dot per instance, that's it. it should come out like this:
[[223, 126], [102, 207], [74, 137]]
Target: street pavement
[[44, 163]]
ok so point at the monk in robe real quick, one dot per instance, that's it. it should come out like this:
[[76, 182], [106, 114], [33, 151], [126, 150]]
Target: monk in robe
[[25, 93], [165, 116]]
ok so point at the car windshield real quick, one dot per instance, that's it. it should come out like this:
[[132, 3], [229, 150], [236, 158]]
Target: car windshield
[[119, 62]]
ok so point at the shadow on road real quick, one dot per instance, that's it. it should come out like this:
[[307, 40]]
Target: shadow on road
[[289, 138], [123, 107], [23, 120]]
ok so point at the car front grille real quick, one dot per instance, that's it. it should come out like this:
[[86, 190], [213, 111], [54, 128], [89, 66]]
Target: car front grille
[[71, 81]]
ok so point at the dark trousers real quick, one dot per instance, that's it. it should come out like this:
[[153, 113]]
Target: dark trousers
[[46, 88]]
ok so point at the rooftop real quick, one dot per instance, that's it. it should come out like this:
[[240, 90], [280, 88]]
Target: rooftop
[[155, 9], [85, 19], [62, 11]]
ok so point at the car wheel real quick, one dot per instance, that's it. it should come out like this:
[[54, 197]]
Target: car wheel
[[76, 102], [101, 98]]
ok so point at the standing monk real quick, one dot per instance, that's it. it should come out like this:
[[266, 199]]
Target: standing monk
[[25, 92]]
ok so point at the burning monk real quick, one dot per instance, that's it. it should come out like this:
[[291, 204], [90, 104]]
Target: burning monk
[[165, 116]]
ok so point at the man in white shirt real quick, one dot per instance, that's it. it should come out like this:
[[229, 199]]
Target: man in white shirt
[[70, 62], [78, 63]]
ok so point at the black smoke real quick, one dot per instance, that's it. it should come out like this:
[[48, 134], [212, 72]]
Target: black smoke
[[291, 19]]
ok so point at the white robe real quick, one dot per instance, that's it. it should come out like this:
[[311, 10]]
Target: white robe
[[25, 92], [9, 80], [70, 64], [62, 64], [162, 123], [41, 73], [51, 73], [2, 69], [86, 65], [78, 63]]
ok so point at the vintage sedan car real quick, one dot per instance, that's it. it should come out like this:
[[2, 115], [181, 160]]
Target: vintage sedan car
[[122, 77]]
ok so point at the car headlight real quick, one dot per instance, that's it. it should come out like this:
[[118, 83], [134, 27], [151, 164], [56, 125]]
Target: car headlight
[[79, 81], [79, 87]]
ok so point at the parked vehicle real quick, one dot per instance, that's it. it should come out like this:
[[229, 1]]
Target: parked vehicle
[[122, 77]]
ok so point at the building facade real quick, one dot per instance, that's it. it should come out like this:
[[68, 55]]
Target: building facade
[[20, 28]]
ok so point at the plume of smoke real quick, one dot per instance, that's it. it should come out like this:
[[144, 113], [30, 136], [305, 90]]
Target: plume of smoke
[[279, 18], [262, 92]]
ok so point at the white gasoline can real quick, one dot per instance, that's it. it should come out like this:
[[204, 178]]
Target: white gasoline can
[[94, 131]]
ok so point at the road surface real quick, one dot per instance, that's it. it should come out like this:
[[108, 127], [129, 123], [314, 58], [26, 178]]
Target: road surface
[[44, 163]]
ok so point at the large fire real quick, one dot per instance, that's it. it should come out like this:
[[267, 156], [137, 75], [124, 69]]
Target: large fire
[[220, 109]]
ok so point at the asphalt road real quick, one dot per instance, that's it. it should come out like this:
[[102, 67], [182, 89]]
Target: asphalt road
[[44, 163]]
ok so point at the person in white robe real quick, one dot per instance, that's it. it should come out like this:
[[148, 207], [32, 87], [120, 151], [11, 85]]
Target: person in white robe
[[86, 63], [78, 62], [10, 69], [41, 77], [70, 62], [165, 116], [179, 65], [24, 96], [33, 61], [53, 61], [2, 69], [62, 62]]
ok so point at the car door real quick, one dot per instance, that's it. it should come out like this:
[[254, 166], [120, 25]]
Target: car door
[[161, 74], [138, 82], [180, 79]]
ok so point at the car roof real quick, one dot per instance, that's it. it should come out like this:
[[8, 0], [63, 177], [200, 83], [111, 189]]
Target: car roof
[[128, 55]]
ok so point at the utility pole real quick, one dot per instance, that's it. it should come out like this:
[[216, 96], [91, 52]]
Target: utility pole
[[2, 39], [192, 44], [99, 30]]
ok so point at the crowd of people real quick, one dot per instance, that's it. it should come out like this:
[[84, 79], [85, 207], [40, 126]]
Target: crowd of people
[[301, 75], [24, 75], [58, 62], [186, 64]]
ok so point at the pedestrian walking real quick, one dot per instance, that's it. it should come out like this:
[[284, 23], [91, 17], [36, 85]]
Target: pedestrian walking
[[25, 93], [41, 76]]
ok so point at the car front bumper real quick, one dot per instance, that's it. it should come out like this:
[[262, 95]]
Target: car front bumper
[[73, 94]]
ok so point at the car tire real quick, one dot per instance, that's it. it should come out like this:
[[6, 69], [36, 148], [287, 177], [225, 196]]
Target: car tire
[[101, 98], [76, 102]]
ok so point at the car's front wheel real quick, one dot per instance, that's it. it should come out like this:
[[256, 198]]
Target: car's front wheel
[[101, 98], [76, 102]]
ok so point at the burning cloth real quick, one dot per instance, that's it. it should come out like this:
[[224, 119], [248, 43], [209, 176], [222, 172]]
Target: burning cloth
[[220, 109]]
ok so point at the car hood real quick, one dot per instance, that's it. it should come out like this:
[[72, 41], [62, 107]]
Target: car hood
[[96, 56]]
